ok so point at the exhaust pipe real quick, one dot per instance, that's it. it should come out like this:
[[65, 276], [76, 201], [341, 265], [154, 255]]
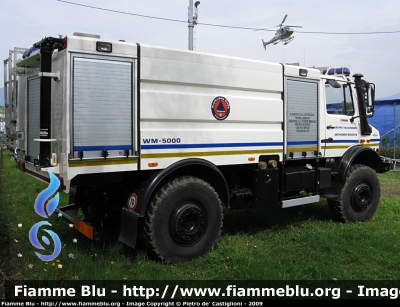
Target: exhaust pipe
[[47, 46]]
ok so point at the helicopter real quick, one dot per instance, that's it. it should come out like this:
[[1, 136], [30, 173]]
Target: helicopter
[[283, 34]]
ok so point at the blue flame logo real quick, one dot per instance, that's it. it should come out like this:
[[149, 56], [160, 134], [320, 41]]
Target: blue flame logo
[[42, 204]]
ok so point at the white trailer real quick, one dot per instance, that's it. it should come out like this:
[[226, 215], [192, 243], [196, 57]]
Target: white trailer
[[169, 137]]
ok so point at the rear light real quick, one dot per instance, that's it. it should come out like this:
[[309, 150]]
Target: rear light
[[65, 42], [53, 159], [84, 228]]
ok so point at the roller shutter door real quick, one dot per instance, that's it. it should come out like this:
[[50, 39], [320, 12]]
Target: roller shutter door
[[33, 118], [302, 118], [102, 106]]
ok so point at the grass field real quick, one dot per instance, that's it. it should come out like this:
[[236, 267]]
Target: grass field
[[299, 243]]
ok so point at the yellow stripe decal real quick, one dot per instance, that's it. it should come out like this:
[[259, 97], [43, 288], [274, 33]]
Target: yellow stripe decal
[[335, 147], [238, 152], [101, 162], [370, 144], [302, 149], [348, 146], [210, 153]]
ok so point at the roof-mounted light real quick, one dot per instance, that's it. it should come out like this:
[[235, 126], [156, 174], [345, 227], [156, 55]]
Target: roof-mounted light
[[103, 47], [339, 71], [303, 72]]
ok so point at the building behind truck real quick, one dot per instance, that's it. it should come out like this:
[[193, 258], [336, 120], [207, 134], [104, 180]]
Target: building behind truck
[[157, 141]]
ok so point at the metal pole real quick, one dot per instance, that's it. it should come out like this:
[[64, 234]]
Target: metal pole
[[193, 14], [394, 133], [191, 24]]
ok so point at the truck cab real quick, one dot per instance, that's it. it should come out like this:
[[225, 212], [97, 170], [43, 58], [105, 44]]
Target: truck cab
[[346, 122]]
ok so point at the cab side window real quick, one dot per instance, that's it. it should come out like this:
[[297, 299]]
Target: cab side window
[[339, 100]]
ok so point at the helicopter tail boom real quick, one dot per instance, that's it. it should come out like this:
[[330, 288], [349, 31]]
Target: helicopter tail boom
[[265, 44]]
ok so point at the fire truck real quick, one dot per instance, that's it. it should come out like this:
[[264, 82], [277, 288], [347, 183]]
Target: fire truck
[[157, 141]]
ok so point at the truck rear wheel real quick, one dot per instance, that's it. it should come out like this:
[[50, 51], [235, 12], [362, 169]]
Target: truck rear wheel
[[359, 197], [183, 221]]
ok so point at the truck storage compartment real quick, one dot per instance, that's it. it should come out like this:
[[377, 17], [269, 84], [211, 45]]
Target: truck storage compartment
[[258, 186], [324, 177], [297, 179], [102, 115]]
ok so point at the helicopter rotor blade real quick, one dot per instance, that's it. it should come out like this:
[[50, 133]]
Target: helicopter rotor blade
[[264, 29], [284, 18], [294, 26]]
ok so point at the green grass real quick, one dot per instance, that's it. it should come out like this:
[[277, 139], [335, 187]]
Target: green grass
[[299, 243]]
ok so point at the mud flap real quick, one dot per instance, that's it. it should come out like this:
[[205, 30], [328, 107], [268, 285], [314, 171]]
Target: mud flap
[[128, 228]]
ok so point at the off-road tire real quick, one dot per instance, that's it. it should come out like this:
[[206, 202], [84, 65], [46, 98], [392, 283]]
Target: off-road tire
[[183, 220], [359, 196]]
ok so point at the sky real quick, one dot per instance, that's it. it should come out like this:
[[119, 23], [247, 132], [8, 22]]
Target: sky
[[376, 56]]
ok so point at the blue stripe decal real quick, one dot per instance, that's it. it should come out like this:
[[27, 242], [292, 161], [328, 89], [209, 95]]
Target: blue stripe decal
[[375, 140], [339, 141], [105, 147], [214, 145]]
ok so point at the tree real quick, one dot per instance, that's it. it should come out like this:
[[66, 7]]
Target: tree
[[385, 140]]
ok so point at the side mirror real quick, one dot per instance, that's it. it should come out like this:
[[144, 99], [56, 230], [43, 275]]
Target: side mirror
[[370, 93], [333, 83]]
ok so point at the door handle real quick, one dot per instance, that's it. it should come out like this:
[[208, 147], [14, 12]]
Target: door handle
[[330, 127]]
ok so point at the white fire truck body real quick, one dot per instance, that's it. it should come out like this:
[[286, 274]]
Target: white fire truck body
[[127, 128]]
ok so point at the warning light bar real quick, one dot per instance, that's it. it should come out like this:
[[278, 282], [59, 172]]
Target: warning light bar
[[339, 71]]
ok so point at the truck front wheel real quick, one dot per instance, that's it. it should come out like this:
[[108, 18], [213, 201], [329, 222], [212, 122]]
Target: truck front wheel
[[359, 197], [183, 221]]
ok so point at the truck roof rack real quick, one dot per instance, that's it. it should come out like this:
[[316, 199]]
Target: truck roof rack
[[86, 35]]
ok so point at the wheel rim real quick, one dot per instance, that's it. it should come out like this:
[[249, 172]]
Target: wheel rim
[[361, 197], [188, 223]]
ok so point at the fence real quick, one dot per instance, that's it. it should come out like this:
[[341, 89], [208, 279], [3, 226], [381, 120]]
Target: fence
[[394, 163]]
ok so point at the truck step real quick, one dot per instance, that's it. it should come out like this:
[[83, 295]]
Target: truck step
[[241, 192]]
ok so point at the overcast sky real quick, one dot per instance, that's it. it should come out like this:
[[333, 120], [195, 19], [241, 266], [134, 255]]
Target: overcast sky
[[376, 56]]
